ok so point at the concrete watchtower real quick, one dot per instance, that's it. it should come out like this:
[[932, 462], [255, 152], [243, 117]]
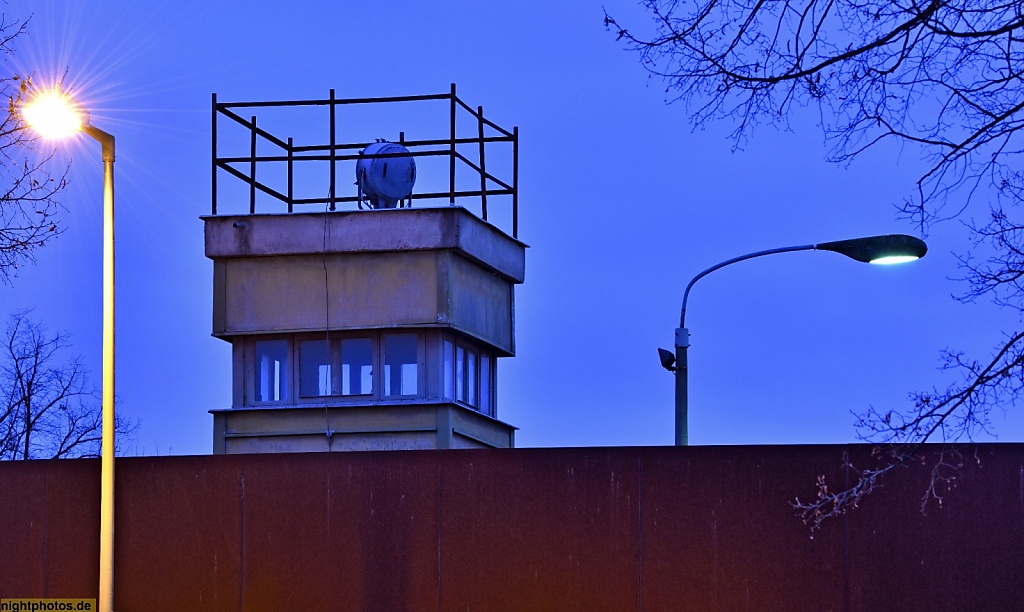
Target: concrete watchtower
[[378, 326]]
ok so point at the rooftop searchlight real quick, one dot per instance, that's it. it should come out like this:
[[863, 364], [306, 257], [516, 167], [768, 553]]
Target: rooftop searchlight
[[385, 175]]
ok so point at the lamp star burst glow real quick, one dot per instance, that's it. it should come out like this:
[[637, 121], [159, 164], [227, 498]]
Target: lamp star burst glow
[[53, 115]]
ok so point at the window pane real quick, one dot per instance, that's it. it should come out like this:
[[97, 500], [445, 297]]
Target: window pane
[[401, 366], [449, 370], [460, 374], [485, 385], [356, 366], [315, 368], [471, 378], [271, 370], [408, 379]]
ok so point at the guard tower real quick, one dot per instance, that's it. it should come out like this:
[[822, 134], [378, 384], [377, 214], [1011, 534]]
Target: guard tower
[[370, 317]]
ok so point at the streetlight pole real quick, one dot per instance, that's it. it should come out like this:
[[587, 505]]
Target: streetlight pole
[[106, 599], [53, 115], [890, 249]]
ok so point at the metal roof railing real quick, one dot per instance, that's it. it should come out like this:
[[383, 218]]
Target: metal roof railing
[[247, 165]]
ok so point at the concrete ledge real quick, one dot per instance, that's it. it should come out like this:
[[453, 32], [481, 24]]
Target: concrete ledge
[[406, 426], [367, 231]]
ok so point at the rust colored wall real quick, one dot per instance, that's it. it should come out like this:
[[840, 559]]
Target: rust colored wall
[[525, 529]]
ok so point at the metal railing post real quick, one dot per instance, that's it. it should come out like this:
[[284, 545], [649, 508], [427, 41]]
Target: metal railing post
[[291, 160], [213, 178], [483, 167], [334, 160], [515, 182], [451, 154], [252, 169]]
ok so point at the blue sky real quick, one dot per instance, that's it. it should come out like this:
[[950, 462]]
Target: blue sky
[[621, 202]]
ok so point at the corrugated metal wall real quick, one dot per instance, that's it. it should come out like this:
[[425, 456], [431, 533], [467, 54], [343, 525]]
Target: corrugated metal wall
[[524, 529]]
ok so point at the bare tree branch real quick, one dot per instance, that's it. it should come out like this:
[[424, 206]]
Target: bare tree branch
[[48, 409], [28, 187]]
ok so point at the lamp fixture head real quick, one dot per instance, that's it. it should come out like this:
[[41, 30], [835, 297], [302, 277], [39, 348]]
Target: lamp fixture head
[[54, 114], [888, 249]]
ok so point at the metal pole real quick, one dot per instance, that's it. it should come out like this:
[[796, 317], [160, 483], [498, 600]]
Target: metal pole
[[106, 598], [682, 342], [682, 387]]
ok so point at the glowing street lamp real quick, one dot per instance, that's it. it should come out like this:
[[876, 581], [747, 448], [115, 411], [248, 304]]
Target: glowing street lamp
[[53, 115], [890, 249]]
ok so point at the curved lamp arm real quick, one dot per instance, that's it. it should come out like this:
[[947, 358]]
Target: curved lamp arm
[[686, 293], [105, 139], [891, 248]]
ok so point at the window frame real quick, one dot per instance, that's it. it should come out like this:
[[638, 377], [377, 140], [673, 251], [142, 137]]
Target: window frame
[[251, 367], [435, 380], [332, 361], [294, 396], [474, 388], [421, 364]]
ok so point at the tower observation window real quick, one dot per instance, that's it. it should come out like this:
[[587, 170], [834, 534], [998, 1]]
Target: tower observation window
[[357, 366], [448, 365], [315, 371], [367, 365], [468, 375], [271, 358], [401, 364]]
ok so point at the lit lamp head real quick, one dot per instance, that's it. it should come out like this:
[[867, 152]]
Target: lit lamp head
[[885, 250], [53, 115]]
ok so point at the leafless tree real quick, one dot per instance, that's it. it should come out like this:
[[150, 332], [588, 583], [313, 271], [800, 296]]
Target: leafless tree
[[48, 409], [941, 76], [28, 188]]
